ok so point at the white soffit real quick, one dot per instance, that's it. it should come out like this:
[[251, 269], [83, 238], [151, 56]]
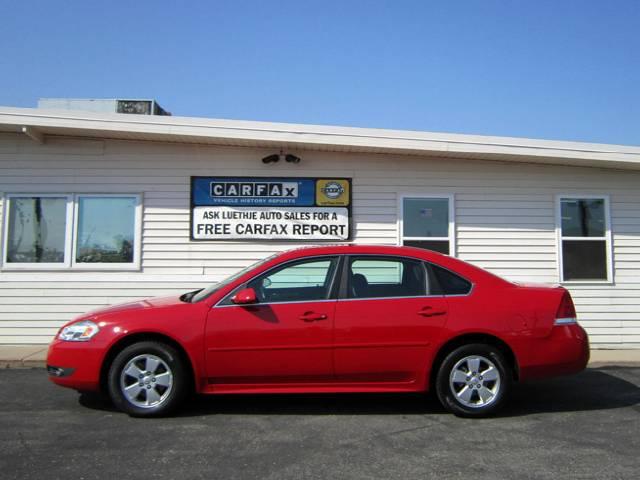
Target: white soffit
[[314, 137]]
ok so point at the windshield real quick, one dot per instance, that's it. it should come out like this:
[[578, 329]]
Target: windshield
[[204, 293]]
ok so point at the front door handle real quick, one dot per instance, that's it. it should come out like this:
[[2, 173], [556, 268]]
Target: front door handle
[[312, 317], [431, 312]]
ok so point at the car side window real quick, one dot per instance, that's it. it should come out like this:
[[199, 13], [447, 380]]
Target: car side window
[[385, 277], [449, 283], [306, 280]]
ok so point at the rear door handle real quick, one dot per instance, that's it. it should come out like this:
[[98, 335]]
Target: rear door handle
[[431, 312], [312, 317]]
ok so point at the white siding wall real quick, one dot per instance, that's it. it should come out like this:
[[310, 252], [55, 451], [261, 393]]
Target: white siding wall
[[505, 219]]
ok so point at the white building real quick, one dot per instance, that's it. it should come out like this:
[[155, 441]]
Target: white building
[[96, 209]]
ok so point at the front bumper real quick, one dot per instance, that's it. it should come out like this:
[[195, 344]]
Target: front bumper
[[564, 352], [75, 364]]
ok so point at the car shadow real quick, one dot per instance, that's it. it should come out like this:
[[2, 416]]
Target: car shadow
[[593, 389]]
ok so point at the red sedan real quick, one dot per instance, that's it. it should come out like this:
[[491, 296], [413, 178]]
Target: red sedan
[[328, 319]]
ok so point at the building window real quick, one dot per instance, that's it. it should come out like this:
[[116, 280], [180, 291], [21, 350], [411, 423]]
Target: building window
[[36, 230], [585, 239], [62, 231], [427, 222], [106, 229]]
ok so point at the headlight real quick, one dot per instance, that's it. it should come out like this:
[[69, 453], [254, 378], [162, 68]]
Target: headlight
[[79, 331]]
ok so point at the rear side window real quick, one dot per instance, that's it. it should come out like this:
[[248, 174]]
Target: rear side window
[[386, 277], [449, 282]]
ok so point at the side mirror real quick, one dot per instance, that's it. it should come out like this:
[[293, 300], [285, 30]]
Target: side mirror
[[246, 296]]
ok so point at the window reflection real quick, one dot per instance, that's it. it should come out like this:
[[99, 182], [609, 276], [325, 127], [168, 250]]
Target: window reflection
[[426, 217], [37, 228], [106, 229], [583, 217]]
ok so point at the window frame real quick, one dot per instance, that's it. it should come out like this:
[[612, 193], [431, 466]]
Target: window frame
[[608, 238], [137, 235], [67, 239], [71, 234], [451, 238]]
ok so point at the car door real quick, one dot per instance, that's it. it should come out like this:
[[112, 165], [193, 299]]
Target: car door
[[386, 320], [284, 338]]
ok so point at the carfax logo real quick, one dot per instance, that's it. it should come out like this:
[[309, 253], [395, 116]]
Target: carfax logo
[[332, 192], [254, 189]]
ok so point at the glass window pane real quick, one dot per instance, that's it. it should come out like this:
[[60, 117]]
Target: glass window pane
[[440, 246], [583, 217], [37, 229], [106, 229], [304, 281], [380, 278], [450, 283], [584, 259], [378, 271], [425, 217], [309, 274]]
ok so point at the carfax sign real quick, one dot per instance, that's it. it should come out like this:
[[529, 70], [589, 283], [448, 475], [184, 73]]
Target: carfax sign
[[270, 208]]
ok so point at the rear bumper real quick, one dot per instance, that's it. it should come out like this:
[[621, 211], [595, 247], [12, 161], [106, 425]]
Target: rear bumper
[[564, 352], [75, 364]]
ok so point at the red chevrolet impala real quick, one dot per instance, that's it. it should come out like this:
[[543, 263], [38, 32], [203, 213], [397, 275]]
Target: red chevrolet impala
[[328, 319]]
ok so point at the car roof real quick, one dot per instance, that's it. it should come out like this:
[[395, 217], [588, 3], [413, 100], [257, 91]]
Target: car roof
[[352, 248]]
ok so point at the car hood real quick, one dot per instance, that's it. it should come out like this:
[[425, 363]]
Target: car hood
[[156, 302]]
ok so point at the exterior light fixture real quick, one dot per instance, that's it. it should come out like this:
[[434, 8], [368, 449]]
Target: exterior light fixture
[[276, 157]]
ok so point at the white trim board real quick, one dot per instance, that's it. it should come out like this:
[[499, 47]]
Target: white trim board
[[316, 137]]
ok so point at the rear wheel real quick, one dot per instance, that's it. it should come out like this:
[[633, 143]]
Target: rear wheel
[[473, 380], [148, 379]]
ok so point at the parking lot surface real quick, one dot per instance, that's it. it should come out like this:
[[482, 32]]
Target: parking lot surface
[[585, 426]]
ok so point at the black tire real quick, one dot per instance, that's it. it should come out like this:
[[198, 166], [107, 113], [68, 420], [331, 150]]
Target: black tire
[[136, 356], [453, 393]]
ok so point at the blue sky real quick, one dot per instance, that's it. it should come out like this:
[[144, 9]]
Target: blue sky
[[552, 69]]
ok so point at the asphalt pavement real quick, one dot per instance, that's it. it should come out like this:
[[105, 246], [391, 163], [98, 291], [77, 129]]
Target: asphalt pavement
[[585, 426]]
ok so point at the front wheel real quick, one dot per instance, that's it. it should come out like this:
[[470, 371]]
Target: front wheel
[[148, 379], [473, 381]]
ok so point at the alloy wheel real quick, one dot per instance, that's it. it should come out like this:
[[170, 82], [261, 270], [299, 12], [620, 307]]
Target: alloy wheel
[[146, 381], [475, 381]]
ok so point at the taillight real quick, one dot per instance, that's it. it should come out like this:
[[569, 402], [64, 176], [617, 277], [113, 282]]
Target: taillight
[[566, 313]]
